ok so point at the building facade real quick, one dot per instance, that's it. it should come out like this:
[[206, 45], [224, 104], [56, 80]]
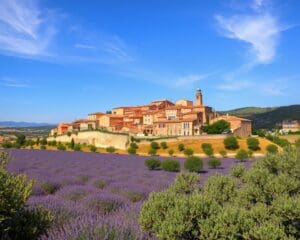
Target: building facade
[[158, 118]]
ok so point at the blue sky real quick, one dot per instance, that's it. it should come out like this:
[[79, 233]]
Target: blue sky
[[60, 60]]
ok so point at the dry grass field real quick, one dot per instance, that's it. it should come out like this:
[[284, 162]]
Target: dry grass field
[[291, 138], [217, 145]]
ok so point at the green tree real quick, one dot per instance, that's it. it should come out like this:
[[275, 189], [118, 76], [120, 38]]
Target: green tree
[[134, 145], [272, 148], [188, 152], [77, 147], [171, 165], [93, 148], [131, 151], [181, 147], [214, 162], [242, 155], [171, 152], [231, 143], [152, 163], [207, 149], [43, 141], [110, 149], [164, 145], [72, 144], [217, 127], [154, 145], [253, 144], [21, 139], [223, 153], [193, 164]]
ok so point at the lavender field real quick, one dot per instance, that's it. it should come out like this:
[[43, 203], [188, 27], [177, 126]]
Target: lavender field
[[92, 195]]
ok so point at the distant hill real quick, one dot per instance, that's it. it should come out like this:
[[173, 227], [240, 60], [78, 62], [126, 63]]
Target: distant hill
[[22, 124], [267, 118]]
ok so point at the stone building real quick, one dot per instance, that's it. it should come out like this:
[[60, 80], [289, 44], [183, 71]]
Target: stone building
[[239, 126]]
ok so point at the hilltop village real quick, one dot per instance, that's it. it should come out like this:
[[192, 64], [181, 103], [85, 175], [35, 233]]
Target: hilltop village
[[159, 118]]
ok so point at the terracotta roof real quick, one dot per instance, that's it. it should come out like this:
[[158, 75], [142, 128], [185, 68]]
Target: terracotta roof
[[96, 113], [178, 107], [80, 121]]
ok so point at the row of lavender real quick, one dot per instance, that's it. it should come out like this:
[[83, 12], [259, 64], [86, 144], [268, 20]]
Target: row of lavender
[[94, 196]]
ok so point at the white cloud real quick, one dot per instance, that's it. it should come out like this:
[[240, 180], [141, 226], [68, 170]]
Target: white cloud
[[189, 80], [235, 85], [260, 31], [8, 82], [24, 28]]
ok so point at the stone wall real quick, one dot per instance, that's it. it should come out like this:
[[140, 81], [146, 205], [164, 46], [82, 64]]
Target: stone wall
[[99, 139]]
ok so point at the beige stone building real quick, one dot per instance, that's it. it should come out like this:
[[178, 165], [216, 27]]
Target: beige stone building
[[239, 126], [158, 118], [291, 126]]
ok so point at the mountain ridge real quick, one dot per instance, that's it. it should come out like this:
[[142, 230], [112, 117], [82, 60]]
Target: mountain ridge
[[268, 117]]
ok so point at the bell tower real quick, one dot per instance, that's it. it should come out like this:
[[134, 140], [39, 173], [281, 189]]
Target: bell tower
[[199, 100]]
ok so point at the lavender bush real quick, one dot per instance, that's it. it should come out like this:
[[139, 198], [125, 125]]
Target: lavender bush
[[97, 196]]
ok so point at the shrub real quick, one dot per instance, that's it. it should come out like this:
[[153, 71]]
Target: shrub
[[171, 165], [17, 221], [110, 149], [49, 187], [7, 144], [186, 183], [231, 143], [279, 141], [93, 148], [83, 178], [258, 205], [181, 147], [188, 152], [164, 145], [43, 147], [250, 153], [297, 143], [104, 206], [223, 153], [100, 184], [43, 141], [72, 144], [154, 145], [135, 196], [152, 151], [242, 155], [131, 151], [171, 152], [253, 144], [134, 145], [152, 163], [214, 162], [61, 147], [193, 164], [237, 170], [207, 149], [272, 148], [77, 147]]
